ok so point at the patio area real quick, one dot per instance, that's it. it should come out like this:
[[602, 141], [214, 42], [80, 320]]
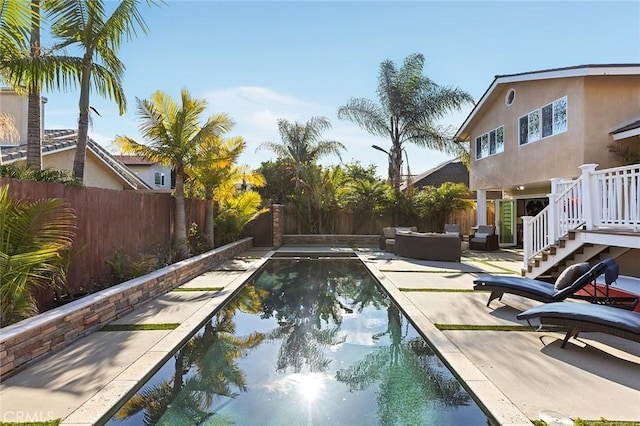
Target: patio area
[[518, 376]]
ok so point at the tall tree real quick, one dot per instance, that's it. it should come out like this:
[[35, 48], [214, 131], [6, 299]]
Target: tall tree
[[410, 106], [216, 173], [27, 66], [174, 136], [85, 23], [301, 147]]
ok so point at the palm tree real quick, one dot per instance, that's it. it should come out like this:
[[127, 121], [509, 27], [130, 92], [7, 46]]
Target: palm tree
[[410, 105], [174, 137], [32, 237], [30, 67], [216, 174], [301, 147], [84, 22]]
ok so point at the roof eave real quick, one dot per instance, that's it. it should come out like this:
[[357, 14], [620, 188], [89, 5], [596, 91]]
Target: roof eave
[[579, 71]]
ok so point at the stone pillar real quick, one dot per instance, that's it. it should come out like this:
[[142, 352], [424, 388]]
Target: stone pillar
[[277, 211]]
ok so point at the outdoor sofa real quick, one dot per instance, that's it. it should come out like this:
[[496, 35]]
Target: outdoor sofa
[[387, 239], [428, 246]]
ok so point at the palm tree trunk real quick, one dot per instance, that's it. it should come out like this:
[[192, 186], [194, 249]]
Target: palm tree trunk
[[34, 123], [180, 237], [83, 119]]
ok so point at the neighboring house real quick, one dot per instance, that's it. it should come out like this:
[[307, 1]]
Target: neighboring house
[[102, 170], [450, 171], [529, 135], [157, 176]]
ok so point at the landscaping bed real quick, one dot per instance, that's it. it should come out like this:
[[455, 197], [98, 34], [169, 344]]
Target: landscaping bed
[[24, 342]]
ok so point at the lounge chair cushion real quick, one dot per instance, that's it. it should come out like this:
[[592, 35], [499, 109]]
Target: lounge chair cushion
[[587, 313], [570, 274]]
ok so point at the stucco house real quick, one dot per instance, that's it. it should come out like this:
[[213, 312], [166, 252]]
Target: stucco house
[[102, 170], [543, 139], [157, 176]]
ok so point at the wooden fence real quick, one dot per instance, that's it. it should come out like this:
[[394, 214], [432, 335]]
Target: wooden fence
[[107, 221], [344, 222]]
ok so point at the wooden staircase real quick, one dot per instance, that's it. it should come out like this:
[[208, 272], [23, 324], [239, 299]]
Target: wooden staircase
[[569, 250]]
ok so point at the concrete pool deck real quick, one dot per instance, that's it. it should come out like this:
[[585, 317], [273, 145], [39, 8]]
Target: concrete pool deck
[[518, 376]]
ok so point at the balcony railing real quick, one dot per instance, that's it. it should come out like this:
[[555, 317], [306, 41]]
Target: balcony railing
[[596, 200]]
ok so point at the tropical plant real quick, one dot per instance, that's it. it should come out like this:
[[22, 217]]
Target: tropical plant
[[215, 173], [15, 23], [29, 67], [234, 215], [279, 181], [436, 204], [85, 23], [174, 137], [410, 105], [301, 147], [366, 198], [24, 171], [33, 236]]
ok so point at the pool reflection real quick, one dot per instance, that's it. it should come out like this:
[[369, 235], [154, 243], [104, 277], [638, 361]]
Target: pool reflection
[[304, 342]]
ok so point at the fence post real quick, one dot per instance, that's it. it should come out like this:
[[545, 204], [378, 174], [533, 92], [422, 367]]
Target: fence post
[[589, 195]]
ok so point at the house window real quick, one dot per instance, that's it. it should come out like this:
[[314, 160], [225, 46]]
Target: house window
[[159, 178], [547, 121], [510, 97], [490, 143]]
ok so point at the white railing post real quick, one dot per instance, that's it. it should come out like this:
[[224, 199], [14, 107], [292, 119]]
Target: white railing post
[[527, 240], [481, 204], [554, 214], [589, 195]]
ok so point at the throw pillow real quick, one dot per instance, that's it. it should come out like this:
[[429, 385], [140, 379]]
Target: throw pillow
[[570, 274]]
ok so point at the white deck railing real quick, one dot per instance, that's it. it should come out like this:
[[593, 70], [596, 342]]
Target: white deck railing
[[597, 199]]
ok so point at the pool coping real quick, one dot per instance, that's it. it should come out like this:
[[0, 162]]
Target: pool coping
[[484, 392], [103, 404]]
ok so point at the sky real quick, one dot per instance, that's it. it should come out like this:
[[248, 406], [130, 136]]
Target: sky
[[262, 61]]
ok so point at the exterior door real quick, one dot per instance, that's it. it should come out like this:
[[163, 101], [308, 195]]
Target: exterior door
[[507, 221]]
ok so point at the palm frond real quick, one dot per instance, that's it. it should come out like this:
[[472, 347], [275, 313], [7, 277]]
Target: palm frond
[[367, 115]]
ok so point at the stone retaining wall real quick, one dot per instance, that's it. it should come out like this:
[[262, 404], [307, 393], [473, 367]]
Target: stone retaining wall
[[26, 341], [331, 239]]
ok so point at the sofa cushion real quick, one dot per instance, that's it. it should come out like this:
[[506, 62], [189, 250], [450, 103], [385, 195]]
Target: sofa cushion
[[570, 274], [389, 232]]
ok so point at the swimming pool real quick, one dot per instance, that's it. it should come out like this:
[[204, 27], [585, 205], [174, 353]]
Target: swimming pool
[[304, 341]]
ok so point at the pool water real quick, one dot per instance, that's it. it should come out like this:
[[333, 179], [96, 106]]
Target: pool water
[[304, 342]]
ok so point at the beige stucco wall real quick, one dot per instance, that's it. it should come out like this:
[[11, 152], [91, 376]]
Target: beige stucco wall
[[594, 105], [11, 103], [96, 174], [609, 102]]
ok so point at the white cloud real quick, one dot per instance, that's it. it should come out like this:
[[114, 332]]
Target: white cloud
[[256, 111]]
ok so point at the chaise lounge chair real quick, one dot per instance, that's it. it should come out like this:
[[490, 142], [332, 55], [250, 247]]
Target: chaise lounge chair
[[543, 291], [586, 317]]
